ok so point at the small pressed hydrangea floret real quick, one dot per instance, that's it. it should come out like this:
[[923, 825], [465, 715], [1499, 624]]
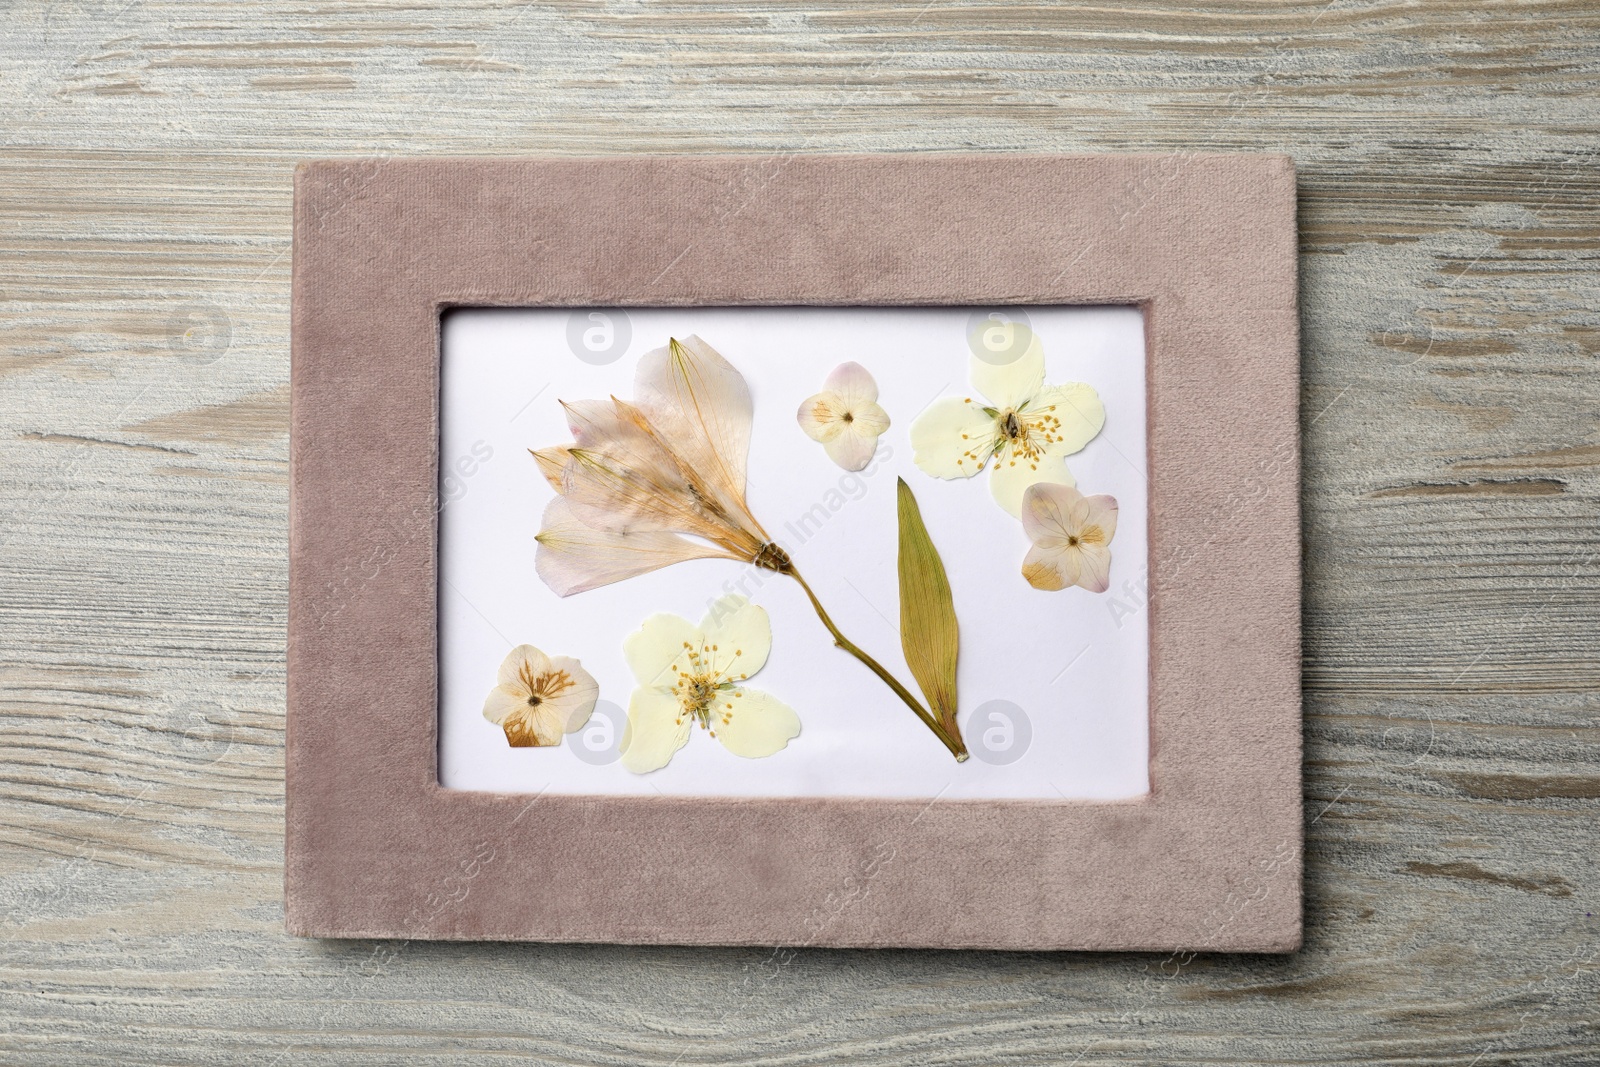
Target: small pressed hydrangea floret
[[539, 698], [1071, 535], [845, 417]]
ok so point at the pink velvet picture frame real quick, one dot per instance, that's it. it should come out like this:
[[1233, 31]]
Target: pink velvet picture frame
[[1208, 860]]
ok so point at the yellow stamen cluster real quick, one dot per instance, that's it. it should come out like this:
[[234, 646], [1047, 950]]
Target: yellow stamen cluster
[[1026, 435], [704, 684]]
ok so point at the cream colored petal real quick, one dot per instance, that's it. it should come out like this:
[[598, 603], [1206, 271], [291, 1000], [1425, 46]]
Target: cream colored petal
[[547, 725], [503, 702], [526, 724], [521, 666], [854, 385], [658, 644], [852, 450], [738, 637], [753, 724], [571, 704], [1094, 567], [573, 556], [1078, 409], [1051, 570], [822, 417], [1011, 384], [1102, 516], [1011, 478], [703, 405], [870, 420], [656, 730], [953, 438]]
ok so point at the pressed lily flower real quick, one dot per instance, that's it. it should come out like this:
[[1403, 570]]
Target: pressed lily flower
[[691, 676], [1026, 427], [661, 479], [539, 698], [1071, 535], [638, 476], [845, 416]]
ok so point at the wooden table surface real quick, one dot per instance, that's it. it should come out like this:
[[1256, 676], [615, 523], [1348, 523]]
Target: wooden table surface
[[1452, 463]]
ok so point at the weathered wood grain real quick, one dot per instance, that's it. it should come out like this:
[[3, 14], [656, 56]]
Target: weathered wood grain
[[1452, 465]]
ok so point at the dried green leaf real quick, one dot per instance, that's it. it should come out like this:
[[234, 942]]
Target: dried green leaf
[[928, 631]]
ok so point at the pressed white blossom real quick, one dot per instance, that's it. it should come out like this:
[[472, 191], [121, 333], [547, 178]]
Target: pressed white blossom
[[539, 698], [845, 417], [1071, 535], [1026, 427], [694, 676]]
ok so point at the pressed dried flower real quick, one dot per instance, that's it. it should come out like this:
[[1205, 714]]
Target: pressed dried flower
[[693, 675], [1071, 535], [638, 476], [1026, 427], [845, 417], [538, 698]]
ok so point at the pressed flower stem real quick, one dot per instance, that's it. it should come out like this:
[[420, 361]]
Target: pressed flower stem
[[953, 742]]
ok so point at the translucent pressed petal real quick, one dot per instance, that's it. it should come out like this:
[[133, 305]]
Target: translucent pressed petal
[[1055, 512], [854, 386], [573, 556], [658, 644], [622, 433], [953, 438], [869, 419], [1079, 410], [1010, 385], [1012, 478], [521, 667], [552, 461], [1102, 516], [1095, 567], [573, 703], [741, 634], [621, 475], [1050, 570], [822, 417], [852, 450], [1044, 510], [753, 724], [656, 729], [700, 402]]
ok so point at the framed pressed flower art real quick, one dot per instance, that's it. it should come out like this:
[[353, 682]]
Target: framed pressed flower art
[[916, 533]]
